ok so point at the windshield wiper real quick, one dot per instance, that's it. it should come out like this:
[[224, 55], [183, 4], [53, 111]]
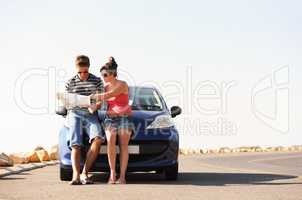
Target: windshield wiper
[[148, 107]]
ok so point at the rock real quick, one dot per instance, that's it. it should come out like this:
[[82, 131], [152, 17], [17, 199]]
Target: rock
[[258, 149], [54, 153], [235, 150], [254, 149], [224, 150], [19, 158], [38, 148], [201, 151], [191, 151], [186, 152], [196, 151], [269, 149], [245, 149], [210, 151], [215, 150], [43, 155], [32, 157], [180, 151], [296, 147], [285, 149], [206, 151], [5, 160], [183, 151], [279, 148]]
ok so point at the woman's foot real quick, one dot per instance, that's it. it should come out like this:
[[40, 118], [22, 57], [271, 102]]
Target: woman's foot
[[112, 178], [121, 181], [111, 181]]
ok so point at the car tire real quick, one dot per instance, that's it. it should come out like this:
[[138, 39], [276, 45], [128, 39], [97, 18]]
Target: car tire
[[171, 173], [65, 174]]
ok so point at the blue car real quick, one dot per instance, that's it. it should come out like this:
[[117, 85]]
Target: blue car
[[153, 147]]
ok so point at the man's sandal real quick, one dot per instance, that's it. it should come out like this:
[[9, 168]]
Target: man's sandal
[[86, 180], [75, 182]]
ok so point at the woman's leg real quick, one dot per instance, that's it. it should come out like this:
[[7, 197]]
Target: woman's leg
[[111, 151], [124, 138]]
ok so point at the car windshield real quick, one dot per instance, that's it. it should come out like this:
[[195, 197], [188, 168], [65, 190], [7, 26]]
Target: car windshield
[[144, 99]]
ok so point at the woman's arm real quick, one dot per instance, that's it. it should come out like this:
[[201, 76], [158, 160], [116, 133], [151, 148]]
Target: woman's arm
[[93, 107], [117, 90]]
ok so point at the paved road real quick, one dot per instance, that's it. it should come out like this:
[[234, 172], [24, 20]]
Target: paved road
[[261, 176]]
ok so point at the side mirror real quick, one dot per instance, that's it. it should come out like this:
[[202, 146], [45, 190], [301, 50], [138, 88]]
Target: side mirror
[[175, 110], [61, 110]]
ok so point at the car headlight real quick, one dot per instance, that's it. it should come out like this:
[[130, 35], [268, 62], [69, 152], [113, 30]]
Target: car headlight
[[161, 121]]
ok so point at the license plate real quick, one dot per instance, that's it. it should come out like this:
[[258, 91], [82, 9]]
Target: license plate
[[132, 149]]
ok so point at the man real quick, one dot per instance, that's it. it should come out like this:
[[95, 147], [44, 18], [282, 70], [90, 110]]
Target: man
[[84, 83]]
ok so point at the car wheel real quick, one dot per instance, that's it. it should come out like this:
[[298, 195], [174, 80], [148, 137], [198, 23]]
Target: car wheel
[[171, 173], [65, 174]]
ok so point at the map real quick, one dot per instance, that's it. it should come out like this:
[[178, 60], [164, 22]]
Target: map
[[71, 100]]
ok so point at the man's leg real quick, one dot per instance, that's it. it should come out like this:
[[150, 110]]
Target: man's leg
[[75, 159], [92, 155], [94, 130], [75, 128]]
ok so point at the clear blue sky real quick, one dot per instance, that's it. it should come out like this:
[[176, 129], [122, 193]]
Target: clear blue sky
[[154, 41]]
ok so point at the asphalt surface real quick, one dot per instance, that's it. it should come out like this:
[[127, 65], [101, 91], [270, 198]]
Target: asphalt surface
[[261, 176]]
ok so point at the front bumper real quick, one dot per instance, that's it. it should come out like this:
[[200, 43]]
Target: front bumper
[[157, 151]]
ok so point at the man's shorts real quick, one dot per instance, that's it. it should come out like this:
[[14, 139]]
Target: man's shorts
[[78, 121]]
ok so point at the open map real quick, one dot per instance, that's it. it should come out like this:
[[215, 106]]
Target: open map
[[70, 100]]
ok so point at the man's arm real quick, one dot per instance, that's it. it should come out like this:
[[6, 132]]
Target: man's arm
[[99, 89]]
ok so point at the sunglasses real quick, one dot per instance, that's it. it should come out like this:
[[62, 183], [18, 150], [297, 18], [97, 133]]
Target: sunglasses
[[105, 75], [84, 72]]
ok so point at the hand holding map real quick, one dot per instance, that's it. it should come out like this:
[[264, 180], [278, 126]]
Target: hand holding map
[[70, 100]]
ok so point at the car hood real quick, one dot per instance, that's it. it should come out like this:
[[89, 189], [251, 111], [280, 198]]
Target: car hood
[[140, 118]]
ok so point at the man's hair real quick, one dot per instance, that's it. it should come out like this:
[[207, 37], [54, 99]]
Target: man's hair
[[82, 61]]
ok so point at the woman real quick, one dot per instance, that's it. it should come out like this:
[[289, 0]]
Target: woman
[[117, 121]]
